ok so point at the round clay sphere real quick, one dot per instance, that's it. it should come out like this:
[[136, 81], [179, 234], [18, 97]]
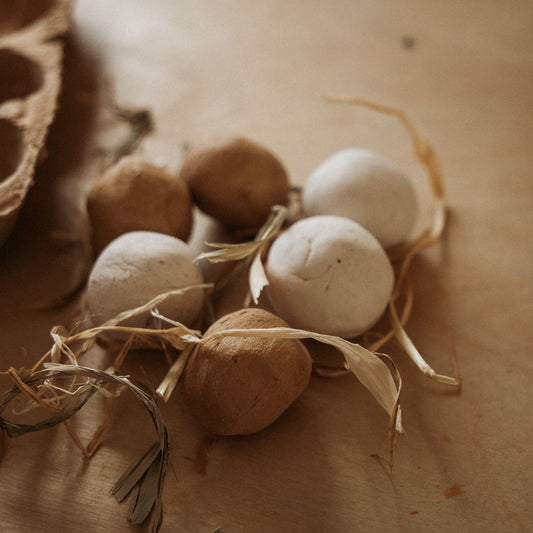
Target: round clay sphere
[[236, 385], [135, 195], [330, 275], [135, 268], [236, 181], [362, 185]]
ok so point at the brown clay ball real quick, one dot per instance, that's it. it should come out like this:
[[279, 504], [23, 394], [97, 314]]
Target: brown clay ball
[[134, 195], [237, 385], [236, 181]]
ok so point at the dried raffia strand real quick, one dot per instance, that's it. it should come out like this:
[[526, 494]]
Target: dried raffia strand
[[94, 443], [454, 360], [75, 437], [153, 303], [173, 335], [29, 392], [71, 404], [249, 253], [98, 434], [396, 411], [62, 340], [422, 148], [172, 377], [413, 353], [366, 366], [257, 278], [119, 359], [236, 252], [58, 334], [426, 155], [405, 314], [59, 347]]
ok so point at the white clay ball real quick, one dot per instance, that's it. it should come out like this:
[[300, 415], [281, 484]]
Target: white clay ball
[[330, 275], [362, 185], [135, 268]]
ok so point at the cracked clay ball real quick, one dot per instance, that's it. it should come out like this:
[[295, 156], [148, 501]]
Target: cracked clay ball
[[328, 274], [237, 385]]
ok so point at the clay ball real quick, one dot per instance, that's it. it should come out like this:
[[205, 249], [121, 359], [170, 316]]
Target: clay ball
[[362, 185], [330, 275], [135, 195], [237, 385], [236, 181], [135, 268]]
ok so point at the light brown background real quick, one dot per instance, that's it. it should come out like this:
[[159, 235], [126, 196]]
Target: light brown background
[[259, 69]]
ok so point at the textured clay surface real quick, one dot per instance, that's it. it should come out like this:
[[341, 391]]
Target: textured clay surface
[[235, 385]]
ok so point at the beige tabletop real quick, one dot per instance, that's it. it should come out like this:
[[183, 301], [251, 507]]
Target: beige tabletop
[[463, 73]]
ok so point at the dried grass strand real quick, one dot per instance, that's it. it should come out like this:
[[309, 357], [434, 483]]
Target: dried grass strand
[[453, 352], [422, 149], [153, 303], [96, 439], [257, 278], [249, 253], [167, 386], [396, 411], [76, 438], [413, 352], [29, 392], [405, 253], [404, 317]]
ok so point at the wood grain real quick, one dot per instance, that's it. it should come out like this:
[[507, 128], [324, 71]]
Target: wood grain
[[463, 72]]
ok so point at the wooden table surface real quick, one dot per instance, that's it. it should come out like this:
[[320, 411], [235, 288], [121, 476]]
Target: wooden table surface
[[463, 73]]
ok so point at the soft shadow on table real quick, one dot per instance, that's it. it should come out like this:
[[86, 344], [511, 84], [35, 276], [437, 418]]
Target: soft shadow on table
[[47, 241], [36, 265], [215, 481], [45, 260]]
